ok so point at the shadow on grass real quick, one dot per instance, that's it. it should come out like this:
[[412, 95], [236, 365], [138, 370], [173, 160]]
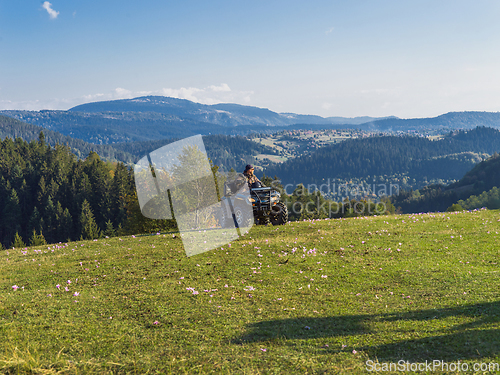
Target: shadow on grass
[[470, 340]]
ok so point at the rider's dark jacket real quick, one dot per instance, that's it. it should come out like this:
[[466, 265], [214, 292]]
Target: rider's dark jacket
[[251, 179]]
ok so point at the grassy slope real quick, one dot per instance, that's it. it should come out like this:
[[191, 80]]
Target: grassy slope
[[410, 287]]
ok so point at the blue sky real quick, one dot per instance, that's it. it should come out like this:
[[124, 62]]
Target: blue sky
[[329, 58]]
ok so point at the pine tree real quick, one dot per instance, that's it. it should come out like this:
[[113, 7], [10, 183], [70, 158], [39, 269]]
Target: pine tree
[[50, 219], [37, 239], [99, 179], [11, 217], [41, 138], [66, 226], [120, 187], [18, 242], [120, 231], [35, 221], [42, 191], [110, 231], [89, 228], [25, 199]]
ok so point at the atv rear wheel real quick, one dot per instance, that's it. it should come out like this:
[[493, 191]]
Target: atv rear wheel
[[279, 214], [263, 220]]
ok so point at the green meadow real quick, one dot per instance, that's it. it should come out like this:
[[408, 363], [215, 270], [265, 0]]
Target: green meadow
[[311, 297]]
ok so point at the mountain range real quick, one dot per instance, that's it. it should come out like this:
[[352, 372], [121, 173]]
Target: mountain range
[[224, 114], [448, 121], [154, 118], [157, 117]]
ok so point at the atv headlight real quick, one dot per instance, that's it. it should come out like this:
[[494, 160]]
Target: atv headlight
[[251, 200], [274, 199]]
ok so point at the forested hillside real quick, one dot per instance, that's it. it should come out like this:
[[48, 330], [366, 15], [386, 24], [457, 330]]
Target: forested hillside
[[417, 157], [478, 188], [483, 176], [224, 151], [10, 127], [46, 193]]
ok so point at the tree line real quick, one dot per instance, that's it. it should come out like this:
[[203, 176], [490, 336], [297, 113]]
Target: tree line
[[303, 204]]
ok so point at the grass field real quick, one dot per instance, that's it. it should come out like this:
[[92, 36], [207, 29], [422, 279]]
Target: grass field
[[313, 297], [273, 158]]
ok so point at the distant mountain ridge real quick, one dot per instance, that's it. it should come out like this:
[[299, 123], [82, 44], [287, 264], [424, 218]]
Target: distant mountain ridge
[[157, 117], [224, 114], [450, 120]]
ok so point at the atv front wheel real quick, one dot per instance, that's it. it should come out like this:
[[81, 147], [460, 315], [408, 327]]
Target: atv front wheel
[[279, 214]]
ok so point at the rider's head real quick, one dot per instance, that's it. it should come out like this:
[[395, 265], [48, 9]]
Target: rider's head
[[249, 169]]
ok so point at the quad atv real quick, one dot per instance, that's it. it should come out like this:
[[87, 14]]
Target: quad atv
[[265, 202]]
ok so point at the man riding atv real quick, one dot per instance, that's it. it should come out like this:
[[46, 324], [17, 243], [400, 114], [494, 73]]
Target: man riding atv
[[263, 201]]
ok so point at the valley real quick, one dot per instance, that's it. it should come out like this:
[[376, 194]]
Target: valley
[[289, 144]]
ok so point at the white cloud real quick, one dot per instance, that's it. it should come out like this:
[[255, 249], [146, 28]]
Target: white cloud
[[35, 105], [222, 87], [329, 31], [182, 93], [48, 7], [208, 95], [120, 93], [93, 97]]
